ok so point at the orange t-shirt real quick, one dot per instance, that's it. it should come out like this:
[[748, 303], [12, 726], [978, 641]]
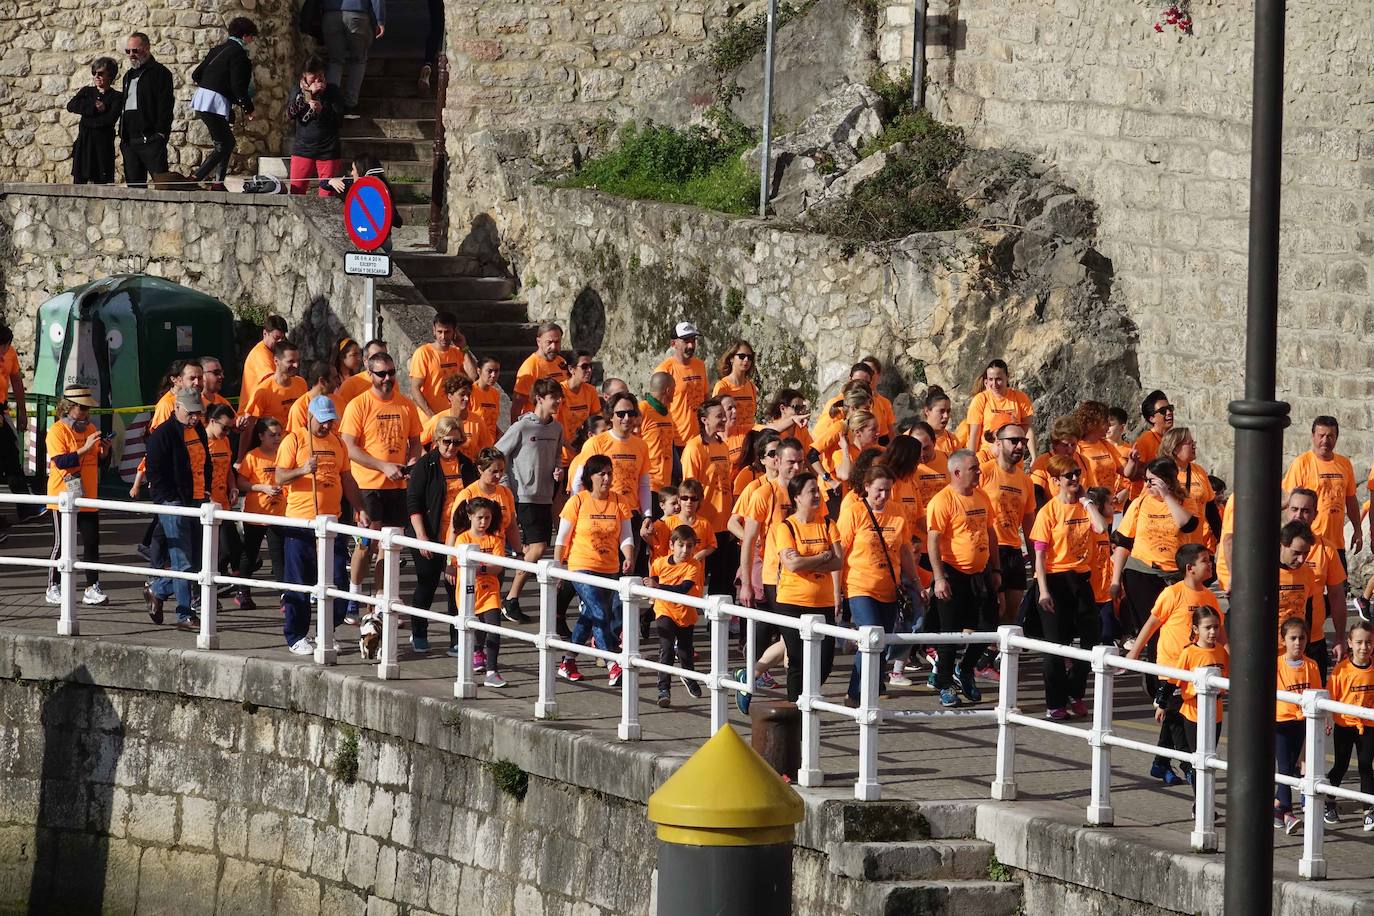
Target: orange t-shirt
[[767, 504], [1334, 483], [906, 496], [1174, 610], [383, 429], [433, 368], [486, 590], [1012, 497], [536, 367], [326, 490], [989, 411], [1067, 531], [475, 434], [272, 400], [221, 461], [1040, 474], [804, 589], [501, 496], [486, 406], [1228, 526], [669, 573], [258, 467], [594, 542], [709, 464], [629, 462], [196, 453], [350, 388], [1157, 538], [1296, 588], [688, 394], [933, 477], [1147, 447], [63, 440], [577, 406], [453, 485], [166, 406], [259, 364], [1103, 463], [659, 433], [297, 416], [1193, 657], [1102, 567], [946, 443], [1296, 679], [746, 403], [962, 522], [1354, 686], [866, 572], [662, 530], [1327, 573], [882, 411]]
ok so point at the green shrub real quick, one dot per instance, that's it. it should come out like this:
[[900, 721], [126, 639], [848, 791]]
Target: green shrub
[[743, 38], [698, 166], [939, 145], [510, 779], [894, 90], [346, 756]]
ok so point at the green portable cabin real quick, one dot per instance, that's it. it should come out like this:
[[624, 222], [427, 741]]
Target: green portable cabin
[[118, 336]]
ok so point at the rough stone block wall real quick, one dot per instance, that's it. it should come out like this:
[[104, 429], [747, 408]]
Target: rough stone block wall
[[47, 53], [255, 253], [1155, 128]]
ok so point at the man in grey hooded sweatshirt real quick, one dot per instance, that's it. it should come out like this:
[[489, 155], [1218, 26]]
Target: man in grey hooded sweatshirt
[[531, 446]]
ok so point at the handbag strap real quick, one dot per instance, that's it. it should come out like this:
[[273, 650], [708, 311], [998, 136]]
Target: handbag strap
[[887, 557]]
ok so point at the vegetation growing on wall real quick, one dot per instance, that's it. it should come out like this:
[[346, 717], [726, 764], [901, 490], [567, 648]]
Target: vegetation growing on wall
[[510, 779], [346, 755], [744, 37]]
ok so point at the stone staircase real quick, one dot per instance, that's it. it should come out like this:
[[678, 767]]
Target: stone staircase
[[909, 858]]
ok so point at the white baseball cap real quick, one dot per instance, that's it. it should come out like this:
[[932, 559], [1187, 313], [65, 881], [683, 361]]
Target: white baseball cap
[[684, 330]]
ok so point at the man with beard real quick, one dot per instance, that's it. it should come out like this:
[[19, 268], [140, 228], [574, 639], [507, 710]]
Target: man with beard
[[689, 386]]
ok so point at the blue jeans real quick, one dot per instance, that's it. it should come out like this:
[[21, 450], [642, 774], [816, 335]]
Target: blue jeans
[[914, 624], [869, 612], [597, 618], [183, 555], [298, 548]]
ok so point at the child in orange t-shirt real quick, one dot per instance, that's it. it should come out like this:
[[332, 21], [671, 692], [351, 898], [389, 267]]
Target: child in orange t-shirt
[[1296, 673], [1352, 683], [1205, 651], [480, 520], [680, 571]]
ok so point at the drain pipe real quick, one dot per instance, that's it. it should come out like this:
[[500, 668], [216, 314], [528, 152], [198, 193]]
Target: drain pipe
[[918, 57], [765, 161]]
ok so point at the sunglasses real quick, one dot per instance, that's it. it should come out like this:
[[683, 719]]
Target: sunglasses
[[453, 442], [585, 367], [1017, 440], [1071, 475], [385, 373], [800, 406], [133, 51], [772, 454], [1167, 408], [622, 414], [744, 356]]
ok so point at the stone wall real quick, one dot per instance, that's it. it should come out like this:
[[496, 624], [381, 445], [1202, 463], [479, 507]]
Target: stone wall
[[257, 253], [620, 273], [1155, 128], [47, 52]]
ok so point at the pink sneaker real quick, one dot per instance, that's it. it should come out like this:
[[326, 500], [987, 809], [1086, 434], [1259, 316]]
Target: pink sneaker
[[1057, 713], [1078, 707], [479, 661]]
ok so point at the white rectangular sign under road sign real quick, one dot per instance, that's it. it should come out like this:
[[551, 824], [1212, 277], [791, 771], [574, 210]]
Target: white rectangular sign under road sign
[[359, 264]]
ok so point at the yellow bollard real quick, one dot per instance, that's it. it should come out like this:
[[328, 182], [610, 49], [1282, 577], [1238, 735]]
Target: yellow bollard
[[725, 826]]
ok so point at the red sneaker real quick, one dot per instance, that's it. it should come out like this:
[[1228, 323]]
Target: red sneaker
[[567, 669], [614, 679]]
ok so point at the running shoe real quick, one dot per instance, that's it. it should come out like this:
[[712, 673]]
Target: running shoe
[[665, 698], [510, 610], [742, 697], [1369, 820], [693, 687], [948, 698], [419, 643], [1330, 816], [302, 646], [1291, 823], [968, 686], [613, 678], [1078, 707], [766, 680], [898, 679], [567, 670], [479, 662], [494, 679], [1057, 713], [54, 595], [94, 594]]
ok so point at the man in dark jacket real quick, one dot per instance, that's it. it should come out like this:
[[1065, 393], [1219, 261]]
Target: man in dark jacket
[[146, 122], [178, 457]]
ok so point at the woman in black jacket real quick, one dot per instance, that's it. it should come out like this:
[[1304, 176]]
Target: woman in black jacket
[[225, 79], [99, 104], [430, 496]]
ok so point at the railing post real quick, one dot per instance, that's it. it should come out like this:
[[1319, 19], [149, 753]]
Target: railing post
[[629, 655], [719, 618], [388, 665], [1313, 862], [546, 707], [1204, 837], [208, 638], [465, 686], [1100, 802], [67, 624], [325, 651], [1004, 785], [809, 774], [872, 643]]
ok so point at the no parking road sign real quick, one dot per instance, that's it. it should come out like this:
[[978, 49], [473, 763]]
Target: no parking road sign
[[368, 213]]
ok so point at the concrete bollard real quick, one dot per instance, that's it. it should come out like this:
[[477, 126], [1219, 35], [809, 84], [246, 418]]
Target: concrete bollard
[[725, 827], [775, 735]]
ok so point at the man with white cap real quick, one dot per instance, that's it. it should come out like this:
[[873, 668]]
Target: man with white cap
[[179, 473], [312, 468], [689, 387]]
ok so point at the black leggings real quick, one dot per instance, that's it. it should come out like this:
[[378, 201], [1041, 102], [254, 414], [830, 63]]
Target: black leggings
[[252, 548], [1074, 614], [222, 135], [230, 549], [795, 652], [429, 573], [1349, 738], [88, 530]]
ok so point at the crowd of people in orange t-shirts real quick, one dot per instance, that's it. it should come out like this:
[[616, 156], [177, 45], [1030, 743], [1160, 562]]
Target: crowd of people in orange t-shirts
[[848, 512]]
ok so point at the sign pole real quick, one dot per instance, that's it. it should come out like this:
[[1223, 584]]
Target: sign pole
[[369, 310]]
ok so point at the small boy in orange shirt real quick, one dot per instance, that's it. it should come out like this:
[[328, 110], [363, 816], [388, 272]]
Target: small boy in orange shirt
[[683, 573], [1352, 683]]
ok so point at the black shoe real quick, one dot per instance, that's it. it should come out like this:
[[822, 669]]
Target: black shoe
[[693, 687], [665, 699], [510, 610], [143, 551], [31, 513], [154, 605]]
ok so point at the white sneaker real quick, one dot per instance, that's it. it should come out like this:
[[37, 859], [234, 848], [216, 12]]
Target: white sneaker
[[494, 679], [94, 594], [54, 594], [303, 646]]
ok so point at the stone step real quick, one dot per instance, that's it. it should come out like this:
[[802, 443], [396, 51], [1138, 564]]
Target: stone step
[[420, 169], [416, 214], [441, 265], [389, 129], [402, 108], [919, 860], [409, 192], [404, 150], [392, 66], [484, 289], [946, 898], [410, 238], [395, 86], [475, 311], [840, 819], [482, 335]]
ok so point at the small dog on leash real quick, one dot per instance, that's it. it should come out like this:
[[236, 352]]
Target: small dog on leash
[[370, 636]]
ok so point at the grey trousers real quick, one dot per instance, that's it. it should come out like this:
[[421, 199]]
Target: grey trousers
[[347, 39]]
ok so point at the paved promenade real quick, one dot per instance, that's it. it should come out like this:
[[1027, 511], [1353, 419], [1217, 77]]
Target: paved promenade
[[945, 759]]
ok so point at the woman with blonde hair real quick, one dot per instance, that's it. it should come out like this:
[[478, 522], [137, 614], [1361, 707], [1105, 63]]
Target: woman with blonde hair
[[1179, 445]]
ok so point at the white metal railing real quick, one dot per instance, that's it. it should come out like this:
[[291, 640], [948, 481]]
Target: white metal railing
[[870, 642]]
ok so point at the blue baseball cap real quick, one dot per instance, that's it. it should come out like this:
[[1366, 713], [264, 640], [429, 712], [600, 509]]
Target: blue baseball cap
[[323, 409]]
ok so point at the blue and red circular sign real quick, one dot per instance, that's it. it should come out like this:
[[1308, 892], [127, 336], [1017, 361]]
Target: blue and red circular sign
[[367, 213]]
